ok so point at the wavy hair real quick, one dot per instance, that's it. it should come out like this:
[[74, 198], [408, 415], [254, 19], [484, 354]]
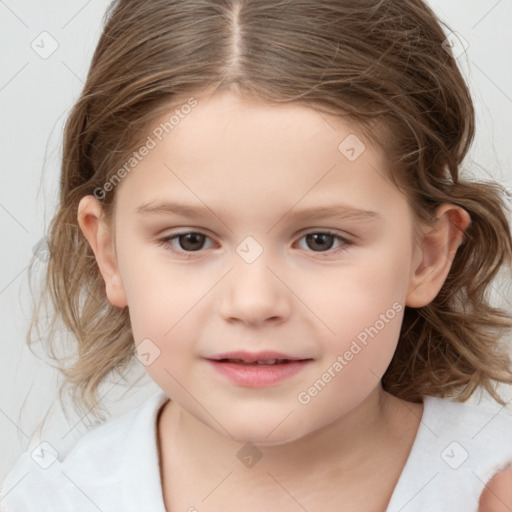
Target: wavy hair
[[382, 64]]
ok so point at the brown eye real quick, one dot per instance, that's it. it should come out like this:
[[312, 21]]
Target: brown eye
[[320, 241], [184, 243], [191, 241], [324, 241]]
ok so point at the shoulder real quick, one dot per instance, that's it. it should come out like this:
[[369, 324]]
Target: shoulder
[[109, 453], [480, 421], [497, 495], [485, 429]]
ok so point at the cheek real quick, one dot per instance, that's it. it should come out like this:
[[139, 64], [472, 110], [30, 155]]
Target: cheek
[[361, 307], [164, 304], [163, 309], [350, 297], [158, 293]]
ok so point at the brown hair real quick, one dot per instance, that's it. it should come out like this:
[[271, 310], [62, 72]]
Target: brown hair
[[381, 64]]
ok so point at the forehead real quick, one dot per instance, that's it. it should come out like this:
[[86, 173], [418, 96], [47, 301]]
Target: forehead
[[232, 127], [246, 153]]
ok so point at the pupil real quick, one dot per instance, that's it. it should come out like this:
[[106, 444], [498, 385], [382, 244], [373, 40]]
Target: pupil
[[319, 240], [192, 241]]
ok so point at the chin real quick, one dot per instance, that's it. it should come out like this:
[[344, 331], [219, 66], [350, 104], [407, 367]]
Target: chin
[[263, 433]]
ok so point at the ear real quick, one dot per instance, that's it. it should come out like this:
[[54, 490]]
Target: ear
[[435, 253], [97, 231]]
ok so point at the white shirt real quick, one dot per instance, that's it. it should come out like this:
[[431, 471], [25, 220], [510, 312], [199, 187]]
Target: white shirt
[[114, 467]]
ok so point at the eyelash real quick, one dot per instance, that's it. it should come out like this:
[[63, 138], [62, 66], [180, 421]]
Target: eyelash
[[166, 242]]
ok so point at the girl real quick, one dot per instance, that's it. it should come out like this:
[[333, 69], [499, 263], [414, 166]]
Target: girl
[[261, 205]]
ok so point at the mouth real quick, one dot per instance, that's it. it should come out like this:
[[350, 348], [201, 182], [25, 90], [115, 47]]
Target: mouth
[[267, 362], [263, 357], [260, 369]]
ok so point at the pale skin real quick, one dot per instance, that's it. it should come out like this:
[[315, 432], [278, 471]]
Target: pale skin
[[252, 165]]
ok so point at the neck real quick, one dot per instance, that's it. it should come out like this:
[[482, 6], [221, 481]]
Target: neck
[[346, 450]]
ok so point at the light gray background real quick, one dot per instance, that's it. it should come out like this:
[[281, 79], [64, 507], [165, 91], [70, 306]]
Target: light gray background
[[35, 97]]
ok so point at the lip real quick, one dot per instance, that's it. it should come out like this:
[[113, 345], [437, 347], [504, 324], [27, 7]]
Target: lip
[[245, 374], [251, 357]]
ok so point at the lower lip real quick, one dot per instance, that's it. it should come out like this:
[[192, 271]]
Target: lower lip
[[258, 376]]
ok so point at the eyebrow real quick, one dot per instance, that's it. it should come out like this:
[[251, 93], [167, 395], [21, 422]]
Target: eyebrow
[[338, 211]]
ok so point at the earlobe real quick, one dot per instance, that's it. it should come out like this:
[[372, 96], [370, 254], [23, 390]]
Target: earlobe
[[97, 232], [436, 252]]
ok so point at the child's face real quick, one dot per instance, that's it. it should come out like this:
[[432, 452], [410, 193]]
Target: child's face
[[257, 283]]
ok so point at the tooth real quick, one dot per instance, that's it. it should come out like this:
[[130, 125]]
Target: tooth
[[268, 361]]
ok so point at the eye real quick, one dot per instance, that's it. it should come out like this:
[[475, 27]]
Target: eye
[[323, 241], [187, 242]]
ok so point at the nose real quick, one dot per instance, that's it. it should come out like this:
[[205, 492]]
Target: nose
[[254, 293]]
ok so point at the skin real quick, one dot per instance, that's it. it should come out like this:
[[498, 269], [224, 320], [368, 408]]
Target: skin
[[497, 495], [252, 164]]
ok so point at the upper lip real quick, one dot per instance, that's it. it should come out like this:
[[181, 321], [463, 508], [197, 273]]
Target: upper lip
[[251, 357]]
